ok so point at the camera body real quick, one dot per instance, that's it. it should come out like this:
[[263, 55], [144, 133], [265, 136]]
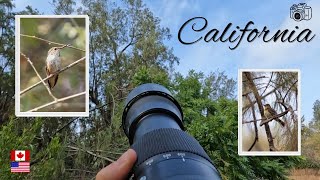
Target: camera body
[[301, 11]]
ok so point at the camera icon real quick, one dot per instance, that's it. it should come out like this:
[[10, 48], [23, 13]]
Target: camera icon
[[300, 12]]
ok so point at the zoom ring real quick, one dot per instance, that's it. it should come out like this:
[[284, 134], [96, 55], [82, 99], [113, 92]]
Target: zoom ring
[[166, 140]]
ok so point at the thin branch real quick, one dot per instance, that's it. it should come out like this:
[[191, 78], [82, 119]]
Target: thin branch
[[267, 84], [255, 126], [57, 101], [113, 105], [58, 72], [246, 94], [246, 122], [270, 119], [51, 42], [245, 108], [261, 77], [74, 119], [81, 170], [289, 90], [91, 153], [35, 70]]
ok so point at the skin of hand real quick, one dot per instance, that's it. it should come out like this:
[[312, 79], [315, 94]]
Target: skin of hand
[[120, 169]]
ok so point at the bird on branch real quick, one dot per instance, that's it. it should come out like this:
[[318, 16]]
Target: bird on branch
[[269, 113]]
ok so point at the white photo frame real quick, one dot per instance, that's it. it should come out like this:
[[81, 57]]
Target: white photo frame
[[38, 111], [241, 152]]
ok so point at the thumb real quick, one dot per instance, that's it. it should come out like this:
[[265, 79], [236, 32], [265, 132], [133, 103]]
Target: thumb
[[119, 169]]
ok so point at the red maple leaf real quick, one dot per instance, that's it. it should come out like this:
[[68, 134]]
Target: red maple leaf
[[20, 155]]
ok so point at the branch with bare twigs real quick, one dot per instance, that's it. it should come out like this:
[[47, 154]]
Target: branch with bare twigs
[[51, 42], [91, 153], [255, 126], [58, 72], [41, 80], [271, 118], [57, 101], [258, 100]]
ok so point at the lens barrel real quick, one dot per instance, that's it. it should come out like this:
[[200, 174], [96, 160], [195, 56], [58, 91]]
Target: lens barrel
[[152, 121]]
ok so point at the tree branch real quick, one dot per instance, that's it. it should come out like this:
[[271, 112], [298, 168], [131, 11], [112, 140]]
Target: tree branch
[[41, 80], [51, 42], [267, 84], [58, 72], [57, 101], [258, 100], [255, 126], [273, 117], [91, 153], [289, 90]]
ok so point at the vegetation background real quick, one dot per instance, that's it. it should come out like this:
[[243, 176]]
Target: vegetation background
[[127, 49], [60, 30]]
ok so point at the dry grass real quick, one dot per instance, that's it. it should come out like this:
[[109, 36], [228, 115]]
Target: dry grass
[[303, 174]]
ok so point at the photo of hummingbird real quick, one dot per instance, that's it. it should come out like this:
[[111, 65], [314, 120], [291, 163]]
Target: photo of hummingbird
[[53, 64]]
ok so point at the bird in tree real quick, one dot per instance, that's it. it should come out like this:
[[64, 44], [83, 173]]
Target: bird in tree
[[269, 113]]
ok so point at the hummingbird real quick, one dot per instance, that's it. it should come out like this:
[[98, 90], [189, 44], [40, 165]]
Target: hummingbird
[[53, 64]]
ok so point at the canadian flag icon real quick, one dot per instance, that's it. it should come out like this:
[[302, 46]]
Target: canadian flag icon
[[20, 155]]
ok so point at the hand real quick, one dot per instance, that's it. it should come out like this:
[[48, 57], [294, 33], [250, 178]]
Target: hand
[[118, 170]]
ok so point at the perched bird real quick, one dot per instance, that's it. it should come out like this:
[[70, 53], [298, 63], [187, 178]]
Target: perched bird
[[53, 64], [269, 113]]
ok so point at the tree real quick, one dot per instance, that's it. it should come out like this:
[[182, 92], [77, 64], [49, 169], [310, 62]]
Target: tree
[[6, 60], [315, 123], [311, 139], [126, 49]]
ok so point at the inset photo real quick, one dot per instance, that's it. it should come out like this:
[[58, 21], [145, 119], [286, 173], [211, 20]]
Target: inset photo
[[52, 65], [269, 112]]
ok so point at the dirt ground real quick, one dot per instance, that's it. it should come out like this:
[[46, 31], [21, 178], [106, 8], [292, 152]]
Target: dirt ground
[[305, 174]]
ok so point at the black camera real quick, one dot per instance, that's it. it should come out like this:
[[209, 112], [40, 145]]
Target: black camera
[[152, 121], [300, 12]]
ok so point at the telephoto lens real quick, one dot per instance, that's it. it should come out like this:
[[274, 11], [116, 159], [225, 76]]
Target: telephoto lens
[[152, 121]]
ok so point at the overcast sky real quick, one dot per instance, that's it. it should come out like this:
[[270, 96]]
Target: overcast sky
[[207, 57]]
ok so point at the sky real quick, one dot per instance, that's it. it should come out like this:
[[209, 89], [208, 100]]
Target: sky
[[208, 57]]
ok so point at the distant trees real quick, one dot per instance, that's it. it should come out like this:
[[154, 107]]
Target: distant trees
[[6, 60], [311, 139]]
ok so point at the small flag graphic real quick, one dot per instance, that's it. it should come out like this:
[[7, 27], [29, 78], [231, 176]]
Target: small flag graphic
[[20, 167], [18, 155]]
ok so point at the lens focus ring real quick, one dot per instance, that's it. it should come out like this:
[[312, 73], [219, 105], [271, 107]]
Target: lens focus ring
[[166, 140]]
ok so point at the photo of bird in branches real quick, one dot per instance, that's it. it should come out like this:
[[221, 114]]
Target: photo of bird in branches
[[52, 76], [269, 112]]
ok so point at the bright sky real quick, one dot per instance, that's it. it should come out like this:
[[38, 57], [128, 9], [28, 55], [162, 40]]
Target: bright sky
[[207, 57]]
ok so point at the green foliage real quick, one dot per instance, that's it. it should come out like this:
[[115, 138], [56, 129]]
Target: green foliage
[[311, 140], [52, 165], [23, 136], [218, 135], [315, 123], [6, 60], [150, 75], [196, 93]]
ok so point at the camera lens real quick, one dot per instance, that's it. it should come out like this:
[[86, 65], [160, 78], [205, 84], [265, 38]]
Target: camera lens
[[297, 16], [152, 121]]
